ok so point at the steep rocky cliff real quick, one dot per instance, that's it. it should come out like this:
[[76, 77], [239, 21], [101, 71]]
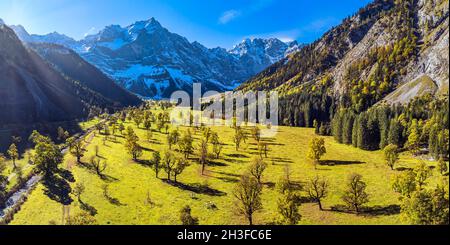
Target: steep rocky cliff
[[389, 51]]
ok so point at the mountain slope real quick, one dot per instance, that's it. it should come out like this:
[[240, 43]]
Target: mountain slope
[[54, 38], [258, 53], [30, 90], [371, 54], [72, 65], [33, 91], [149, 60]]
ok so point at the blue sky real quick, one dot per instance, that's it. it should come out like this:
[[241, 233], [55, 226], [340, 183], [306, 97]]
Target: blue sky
[[211, 22]]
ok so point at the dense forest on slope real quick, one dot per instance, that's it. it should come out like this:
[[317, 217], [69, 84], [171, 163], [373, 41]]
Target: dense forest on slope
[[385, 65]]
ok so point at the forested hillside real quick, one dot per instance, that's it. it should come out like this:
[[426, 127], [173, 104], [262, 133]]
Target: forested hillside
[[374, 80]]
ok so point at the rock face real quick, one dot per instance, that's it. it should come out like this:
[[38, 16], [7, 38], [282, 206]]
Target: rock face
[[257, 54], [33, 90], [420, 69], [54, 37], [150, 61]]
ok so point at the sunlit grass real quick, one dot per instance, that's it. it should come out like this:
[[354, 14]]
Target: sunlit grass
[[132, 183]]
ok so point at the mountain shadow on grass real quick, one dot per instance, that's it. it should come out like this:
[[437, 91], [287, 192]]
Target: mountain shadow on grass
[[196, 188], [57, 189], [338, 162]]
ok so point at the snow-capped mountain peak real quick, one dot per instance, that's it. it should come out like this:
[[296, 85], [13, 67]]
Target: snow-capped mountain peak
[[149, 60], [272, 47], [258, 53], [148, 25]]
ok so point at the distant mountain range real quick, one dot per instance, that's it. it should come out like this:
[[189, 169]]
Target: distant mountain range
[[389, 51], [150, 61]]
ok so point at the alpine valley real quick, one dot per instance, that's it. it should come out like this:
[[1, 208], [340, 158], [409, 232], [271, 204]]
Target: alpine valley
[[149, 60], [359, 134]]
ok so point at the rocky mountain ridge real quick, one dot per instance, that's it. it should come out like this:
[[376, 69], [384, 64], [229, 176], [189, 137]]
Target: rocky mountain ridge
[[149, 60], [370, 55]]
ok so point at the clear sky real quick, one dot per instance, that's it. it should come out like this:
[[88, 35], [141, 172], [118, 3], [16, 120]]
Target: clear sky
[[211, 22]]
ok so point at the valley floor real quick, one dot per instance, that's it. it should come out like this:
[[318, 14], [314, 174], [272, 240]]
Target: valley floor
[[141, 198]]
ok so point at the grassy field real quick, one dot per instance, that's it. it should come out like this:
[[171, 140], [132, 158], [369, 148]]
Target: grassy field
[[144, 199], [23, 164]]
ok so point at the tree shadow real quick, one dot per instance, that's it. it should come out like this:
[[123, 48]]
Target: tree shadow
[[306, 199], [234, 160], [297, 185], [196, 188], [281, 160], [270, 185], [145, 163], [108, 178], [57, 189], [402, 169], [114, 201], [272, 141], [227, 179], [237, 155], [217, 164], [147, 149], [225, 173], [110, 199], [339, 162], [88, 208], [67, 175], [381, 210], [369, 211], [103, 176]]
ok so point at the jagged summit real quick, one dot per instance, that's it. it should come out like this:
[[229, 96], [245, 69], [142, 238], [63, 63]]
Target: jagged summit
[[151, 61]]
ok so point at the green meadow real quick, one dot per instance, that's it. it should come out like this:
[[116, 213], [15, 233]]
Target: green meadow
[[141, 198]]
